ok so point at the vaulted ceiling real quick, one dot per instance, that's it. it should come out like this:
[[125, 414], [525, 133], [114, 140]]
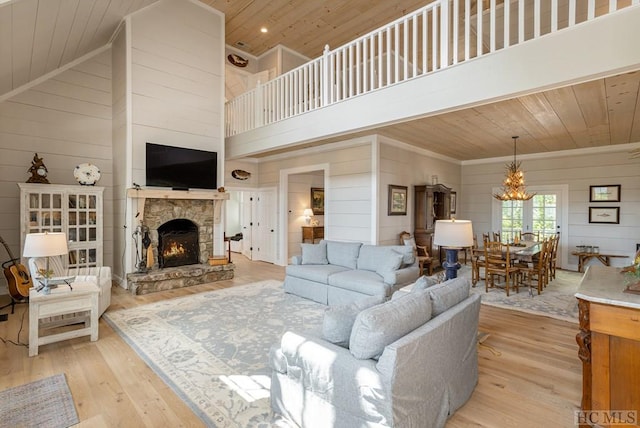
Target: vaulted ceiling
[[39, 36]]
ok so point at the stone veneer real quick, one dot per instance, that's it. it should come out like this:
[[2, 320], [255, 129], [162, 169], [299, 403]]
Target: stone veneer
[[177, 277], [159, 211]]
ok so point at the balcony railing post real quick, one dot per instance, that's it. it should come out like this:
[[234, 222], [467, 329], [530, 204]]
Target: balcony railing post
[[324, 84], [444, 34], [259, 105]]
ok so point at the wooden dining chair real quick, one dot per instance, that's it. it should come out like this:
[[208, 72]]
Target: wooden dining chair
[[496, 236], [497, 262], [477, 262], [420, 252], [553, 257], [530, 236], [537, 272]]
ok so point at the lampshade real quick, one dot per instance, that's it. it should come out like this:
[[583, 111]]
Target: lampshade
[[453, 233], [45, 244], [308, 212]]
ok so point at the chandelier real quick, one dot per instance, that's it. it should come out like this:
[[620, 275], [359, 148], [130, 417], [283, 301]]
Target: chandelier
[[513, 188]]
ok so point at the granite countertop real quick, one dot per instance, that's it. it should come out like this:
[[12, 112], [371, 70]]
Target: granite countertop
[[604, 284]]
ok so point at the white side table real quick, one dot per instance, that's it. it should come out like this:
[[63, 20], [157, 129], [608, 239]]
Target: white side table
[[62, 301]]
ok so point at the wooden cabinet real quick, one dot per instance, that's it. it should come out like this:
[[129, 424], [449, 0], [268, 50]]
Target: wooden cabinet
[[74, 210], [312, 233], [609, 341], [432, 202]]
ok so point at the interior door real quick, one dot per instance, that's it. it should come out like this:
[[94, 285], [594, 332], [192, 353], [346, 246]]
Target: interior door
[[246, 210], [265, 225]]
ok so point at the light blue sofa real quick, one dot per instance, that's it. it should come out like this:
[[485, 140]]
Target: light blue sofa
[[333, 272], [410, 362]]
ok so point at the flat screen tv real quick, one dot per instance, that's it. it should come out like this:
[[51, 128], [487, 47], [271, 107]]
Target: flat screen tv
[[181, 168]]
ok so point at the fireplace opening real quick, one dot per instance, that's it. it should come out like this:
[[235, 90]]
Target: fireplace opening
[[178, 243]]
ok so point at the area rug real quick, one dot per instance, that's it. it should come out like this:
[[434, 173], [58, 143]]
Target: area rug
[[556, 300], [212, 348], [44, 403]]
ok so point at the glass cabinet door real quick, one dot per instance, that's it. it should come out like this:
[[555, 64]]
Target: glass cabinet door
[[44, 212]]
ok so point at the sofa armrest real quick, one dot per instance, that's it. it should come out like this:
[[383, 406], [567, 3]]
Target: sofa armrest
[[328, 370]]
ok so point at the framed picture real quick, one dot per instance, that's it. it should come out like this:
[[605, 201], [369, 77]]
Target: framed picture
[[454, 197], [317, 200], [604, 193], [609, 215], [397, 200]]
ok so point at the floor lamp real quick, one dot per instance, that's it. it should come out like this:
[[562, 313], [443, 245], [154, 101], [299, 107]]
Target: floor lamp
[[46, 245], [453, 235]]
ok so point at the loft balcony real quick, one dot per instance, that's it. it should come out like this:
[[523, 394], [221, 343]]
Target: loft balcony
[[446, 56]]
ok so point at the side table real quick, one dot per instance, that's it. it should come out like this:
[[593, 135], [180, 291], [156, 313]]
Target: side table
[[62, 301]]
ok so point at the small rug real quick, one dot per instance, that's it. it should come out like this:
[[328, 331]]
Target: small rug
[[44, 403], [557, 300], [212, 348]]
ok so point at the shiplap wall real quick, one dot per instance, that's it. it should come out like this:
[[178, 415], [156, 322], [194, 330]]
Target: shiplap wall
[[403, 165], [176, 51], [67, 121], [578, 171]]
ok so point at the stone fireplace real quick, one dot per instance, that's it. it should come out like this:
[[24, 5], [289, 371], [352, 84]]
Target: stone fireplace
[[181, 234]]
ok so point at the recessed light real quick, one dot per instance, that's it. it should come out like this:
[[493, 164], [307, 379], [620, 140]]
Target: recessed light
[[264, 30]]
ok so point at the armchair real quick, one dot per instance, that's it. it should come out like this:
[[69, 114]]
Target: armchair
[[100, 275], [420, 252]]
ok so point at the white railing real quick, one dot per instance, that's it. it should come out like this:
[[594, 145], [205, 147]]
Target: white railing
[[441, 34]]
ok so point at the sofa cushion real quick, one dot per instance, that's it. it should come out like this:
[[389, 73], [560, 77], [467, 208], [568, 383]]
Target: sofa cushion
[[317, 273], [448, 294], [391, 263], [361, 281], [343, 253], [408, 256], [314, 254], [338, 320], [381, 325]]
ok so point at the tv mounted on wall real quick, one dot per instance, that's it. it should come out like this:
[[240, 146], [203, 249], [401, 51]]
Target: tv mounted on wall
[[181, 168]]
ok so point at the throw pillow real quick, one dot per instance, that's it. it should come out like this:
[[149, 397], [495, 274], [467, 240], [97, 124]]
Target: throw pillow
[[390, 263], [314, 254], [338, 320], [343, 253], [448, 294], [381, 325], [424, 282]]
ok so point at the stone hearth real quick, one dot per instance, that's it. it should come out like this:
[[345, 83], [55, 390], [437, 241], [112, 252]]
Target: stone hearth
[[177, 277]]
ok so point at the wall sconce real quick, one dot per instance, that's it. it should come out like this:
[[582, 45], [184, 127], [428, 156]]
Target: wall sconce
[[308, 213]]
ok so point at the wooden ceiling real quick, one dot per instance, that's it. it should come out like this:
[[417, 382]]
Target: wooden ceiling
[[39, 36]]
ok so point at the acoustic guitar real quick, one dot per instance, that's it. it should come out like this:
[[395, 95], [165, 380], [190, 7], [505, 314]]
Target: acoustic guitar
[[17, 275]]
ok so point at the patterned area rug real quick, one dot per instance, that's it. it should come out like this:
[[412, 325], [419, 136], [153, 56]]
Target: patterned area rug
[[44, 403], [212, 348], [556, 300]]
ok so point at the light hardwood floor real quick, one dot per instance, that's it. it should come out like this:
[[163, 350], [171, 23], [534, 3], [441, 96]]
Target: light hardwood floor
[[530, 374]]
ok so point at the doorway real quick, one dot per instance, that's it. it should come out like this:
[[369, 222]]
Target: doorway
[[546, 213], [253, 212]]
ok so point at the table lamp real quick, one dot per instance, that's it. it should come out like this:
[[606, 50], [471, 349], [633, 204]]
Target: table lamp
[[453, 235], [45, 244], [308, 213]]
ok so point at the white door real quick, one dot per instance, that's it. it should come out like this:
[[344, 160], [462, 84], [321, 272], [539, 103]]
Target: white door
[[265, 225], [246, 210]]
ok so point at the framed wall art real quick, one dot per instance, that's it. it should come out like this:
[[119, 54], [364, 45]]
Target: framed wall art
[[604, 193], [397, 200], [610, 215], [317, 200], [454, 202]]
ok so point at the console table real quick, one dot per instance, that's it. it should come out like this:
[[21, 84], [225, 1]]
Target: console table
[[312, 233], [63, 301], [609, 344], [605, 259]]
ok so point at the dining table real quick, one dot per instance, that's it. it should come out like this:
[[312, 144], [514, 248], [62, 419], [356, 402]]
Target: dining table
[[523, 251]]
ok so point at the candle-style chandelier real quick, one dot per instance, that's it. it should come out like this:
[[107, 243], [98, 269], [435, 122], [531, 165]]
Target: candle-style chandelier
[[513, 188]]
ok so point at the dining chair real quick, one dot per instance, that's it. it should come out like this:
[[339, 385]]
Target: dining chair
[[537, 272], [477, 262], [420, 252], [497, 262], [553, 258], [530, 236], [496, 236]]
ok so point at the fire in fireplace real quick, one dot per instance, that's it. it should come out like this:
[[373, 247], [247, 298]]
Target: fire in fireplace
[[178, 243]]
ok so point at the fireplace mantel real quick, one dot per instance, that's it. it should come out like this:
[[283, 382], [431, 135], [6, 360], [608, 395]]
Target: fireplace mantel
[[213, 195]]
